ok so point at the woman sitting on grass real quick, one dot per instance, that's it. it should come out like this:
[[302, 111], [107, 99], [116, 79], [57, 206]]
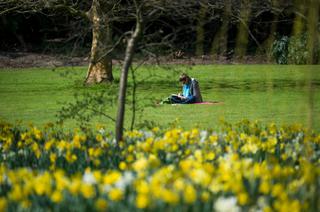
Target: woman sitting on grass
[[190, 91]]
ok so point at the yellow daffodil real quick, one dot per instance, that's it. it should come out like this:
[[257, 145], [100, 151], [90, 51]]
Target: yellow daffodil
[[87, 190], [142, 201], [111, 177], [3, 204], [189, 194], [101, 204], [123, 165], [56, 197], [115, 194]]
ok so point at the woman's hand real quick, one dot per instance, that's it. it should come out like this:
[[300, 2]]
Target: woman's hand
[[181, 96]]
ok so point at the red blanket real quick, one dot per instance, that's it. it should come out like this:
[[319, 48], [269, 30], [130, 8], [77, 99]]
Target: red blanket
[[209, 103]]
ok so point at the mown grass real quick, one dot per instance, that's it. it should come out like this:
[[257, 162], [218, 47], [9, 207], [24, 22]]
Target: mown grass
[[269, 93]]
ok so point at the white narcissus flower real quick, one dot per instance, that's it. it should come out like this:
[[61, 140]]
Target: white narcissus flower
[[148, 134], [102, 131], [203, 135], [125, 180], [89, 178], [226, 204]]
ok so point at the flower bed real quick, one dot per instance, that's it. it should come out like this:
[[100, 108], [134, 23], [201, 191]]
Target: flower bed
[[246, 166]]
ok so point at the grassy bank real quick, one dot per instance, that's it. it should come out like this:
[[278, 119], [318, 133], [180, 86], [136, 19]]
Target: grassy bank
[[283, 94]]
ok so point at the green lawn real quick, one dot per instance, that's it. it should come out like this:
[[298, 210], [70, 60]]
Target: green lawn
[[283, 94]]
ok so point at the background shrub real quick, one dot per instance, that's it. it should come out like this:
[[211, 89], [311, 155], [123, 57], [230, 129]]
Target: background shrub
[[297, 49], [280, 50], [293, 50]]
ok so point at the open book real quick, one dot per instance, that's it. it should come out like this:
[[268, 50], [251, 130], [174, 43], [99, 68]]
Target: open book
[[177, 95]]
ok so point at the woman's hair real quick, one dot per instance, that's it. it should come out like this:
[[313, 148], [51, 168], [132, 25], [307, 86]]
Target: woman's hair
[[183, 77]]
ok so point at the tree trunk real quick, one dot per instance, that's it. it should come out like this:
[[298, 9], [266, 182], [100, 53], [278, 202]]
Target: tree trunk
[[220, 40], [124, 76], [313, 35], [243, 28], [200, 29], [100, 66], [267, 44], [299, 23]]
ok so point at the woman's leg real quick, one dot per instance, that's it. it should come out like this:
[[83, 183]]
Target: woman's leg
[[190, 100], [176, 100]]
